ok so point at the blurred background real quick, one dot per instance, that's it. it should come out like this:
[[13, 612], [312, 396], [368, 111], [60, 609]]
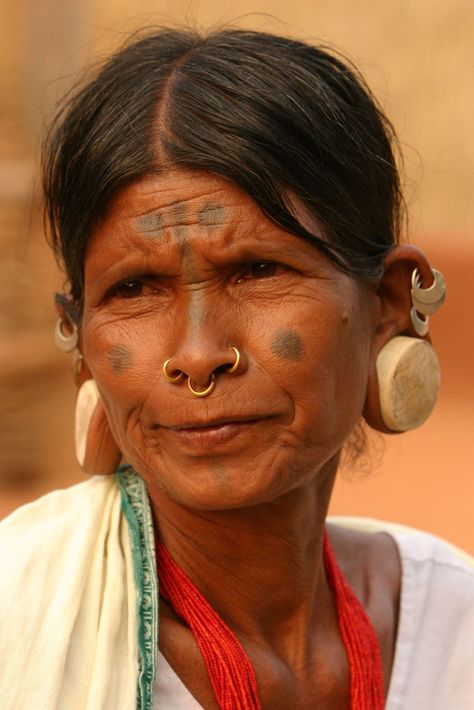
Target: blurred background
[[418, 58]]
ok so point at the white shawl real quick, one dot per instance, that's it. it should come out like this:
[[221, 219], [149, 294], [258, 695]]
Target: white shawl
[[78, 599]]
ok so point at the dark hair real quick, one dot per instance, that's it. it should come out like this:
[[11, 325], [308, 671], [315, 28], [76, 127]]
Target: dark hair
[[275, 116]]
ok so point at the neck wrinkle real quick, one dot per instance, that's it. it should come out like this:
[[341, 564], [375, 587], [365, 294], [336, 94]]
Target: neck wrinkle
[[260, 568]]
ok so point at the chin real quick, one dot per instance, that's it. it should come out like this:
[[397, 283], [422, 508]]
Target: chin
[[217, 486]]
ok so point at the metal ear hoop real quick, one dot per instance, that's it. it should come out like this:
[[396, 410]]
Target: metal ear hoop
[[171, 378], [420, 325], [66, 342], [233, 367], [426, 300], [204, 392]]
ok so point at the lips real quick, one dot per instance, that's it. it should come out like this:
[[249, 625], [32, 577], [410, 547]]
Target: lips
[[212, 433], [212, 423]]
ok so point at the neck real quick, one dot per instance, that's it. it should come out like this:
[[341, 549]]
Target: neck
[[261, 568]]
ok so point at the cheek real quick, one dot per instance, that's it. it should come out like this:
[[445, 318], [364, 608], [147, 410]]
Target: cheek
[[116, 357], [120, 358], [346, 371], [287, 344], [323, 361]]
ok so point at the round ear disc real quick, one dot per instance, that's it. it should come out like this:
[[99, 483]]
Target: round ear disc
[[409, 378]]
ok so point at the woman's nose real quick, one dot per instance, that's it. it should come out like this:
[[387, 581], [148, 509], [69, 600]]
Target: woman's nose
[[204, 344], [202, 361]]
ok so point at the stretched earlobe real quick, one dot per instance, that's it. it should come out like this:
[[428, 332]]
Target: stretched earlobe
[[96, 449], [404, 382]]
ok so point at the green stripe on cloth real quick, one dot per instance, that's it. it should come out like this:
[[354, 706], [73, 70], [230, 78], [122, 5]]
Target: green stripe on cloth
[[136, 508]]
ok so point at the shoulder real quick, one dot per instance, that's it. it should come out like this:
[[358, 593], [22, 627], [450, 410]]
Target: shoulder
[[371, 565], [435, 637], [433, 568], [67, 593], [416, 548], [59, 506], [437, 583], [37, 537], [367, 555]]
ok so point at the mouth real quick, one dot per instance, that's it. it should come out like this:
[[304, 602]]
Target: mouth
[[212, 423], [211, 433]]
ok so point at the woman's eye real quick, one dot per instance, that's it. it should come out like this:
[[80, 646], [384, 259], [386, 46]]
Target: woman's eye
[[128, 289], [259, 270], [265, 268]]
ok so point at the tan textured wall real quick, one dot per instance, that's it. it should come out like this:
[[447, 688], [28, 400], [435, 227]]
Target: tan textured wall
[[418, 58]]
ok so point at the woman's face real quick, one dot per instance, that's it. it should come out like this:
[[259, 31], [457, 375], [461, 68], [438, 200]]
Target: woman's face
[[183, 266]]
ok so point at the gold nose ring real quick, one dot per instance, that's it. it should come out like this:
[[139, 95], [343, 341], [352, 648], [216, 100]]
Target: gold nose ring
[[212, 381], [233, 367], [204, 392], [167, 376]]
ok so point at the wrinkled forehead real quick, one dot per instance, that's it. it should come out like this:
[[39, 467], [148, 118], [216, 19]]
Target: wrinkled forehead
[[164, 206]]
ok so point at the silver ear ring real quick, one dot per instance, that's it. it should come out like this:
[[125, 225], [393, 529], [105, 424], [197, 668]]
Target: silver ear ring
[[420, 325], [426, 300], [65, 341]]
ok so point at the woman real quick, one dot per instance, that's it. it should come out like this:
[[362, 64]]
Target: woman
[[227, 209]]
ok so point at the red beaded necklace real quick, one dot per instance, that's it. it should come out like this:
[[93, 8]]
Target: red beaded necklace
[[228, 666]]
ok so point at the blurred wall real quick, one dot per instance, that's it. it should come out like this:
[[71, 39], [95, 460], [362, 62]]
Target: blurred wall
[[418, 58]]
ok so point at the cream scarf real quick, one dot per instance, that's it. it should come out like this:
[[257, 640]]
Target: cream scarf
[[79, 599]]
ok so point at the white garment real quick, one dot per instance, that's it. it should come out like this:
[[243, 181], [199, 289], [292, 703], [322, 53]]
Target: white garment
[[68, 619], [434, 659]]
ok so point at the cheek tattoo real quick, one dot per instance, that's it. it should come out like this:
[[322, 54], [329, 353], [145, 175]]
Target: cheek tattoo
[[287, 344], [120, 358]]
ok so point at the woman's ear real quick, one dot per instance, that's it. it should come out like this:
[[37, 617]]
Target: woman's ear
[[96, 449], [395, 291], [66, 332], [404, 374]]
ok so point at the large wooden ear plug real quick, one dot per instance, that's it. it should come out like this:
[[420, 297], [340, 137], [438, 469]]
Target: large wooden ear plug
[[408, 377], [96, 449]]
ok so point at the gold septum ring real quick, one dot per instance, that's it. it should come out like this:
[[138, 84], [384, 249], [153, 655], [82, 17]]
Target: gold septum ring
[[204, 392], [175, 378]]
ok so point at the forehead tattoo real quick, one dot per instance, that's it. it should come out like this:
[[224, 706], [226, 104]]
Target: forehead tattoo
[[179, 226], [211, 215], [151, 224], [178, 214]]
